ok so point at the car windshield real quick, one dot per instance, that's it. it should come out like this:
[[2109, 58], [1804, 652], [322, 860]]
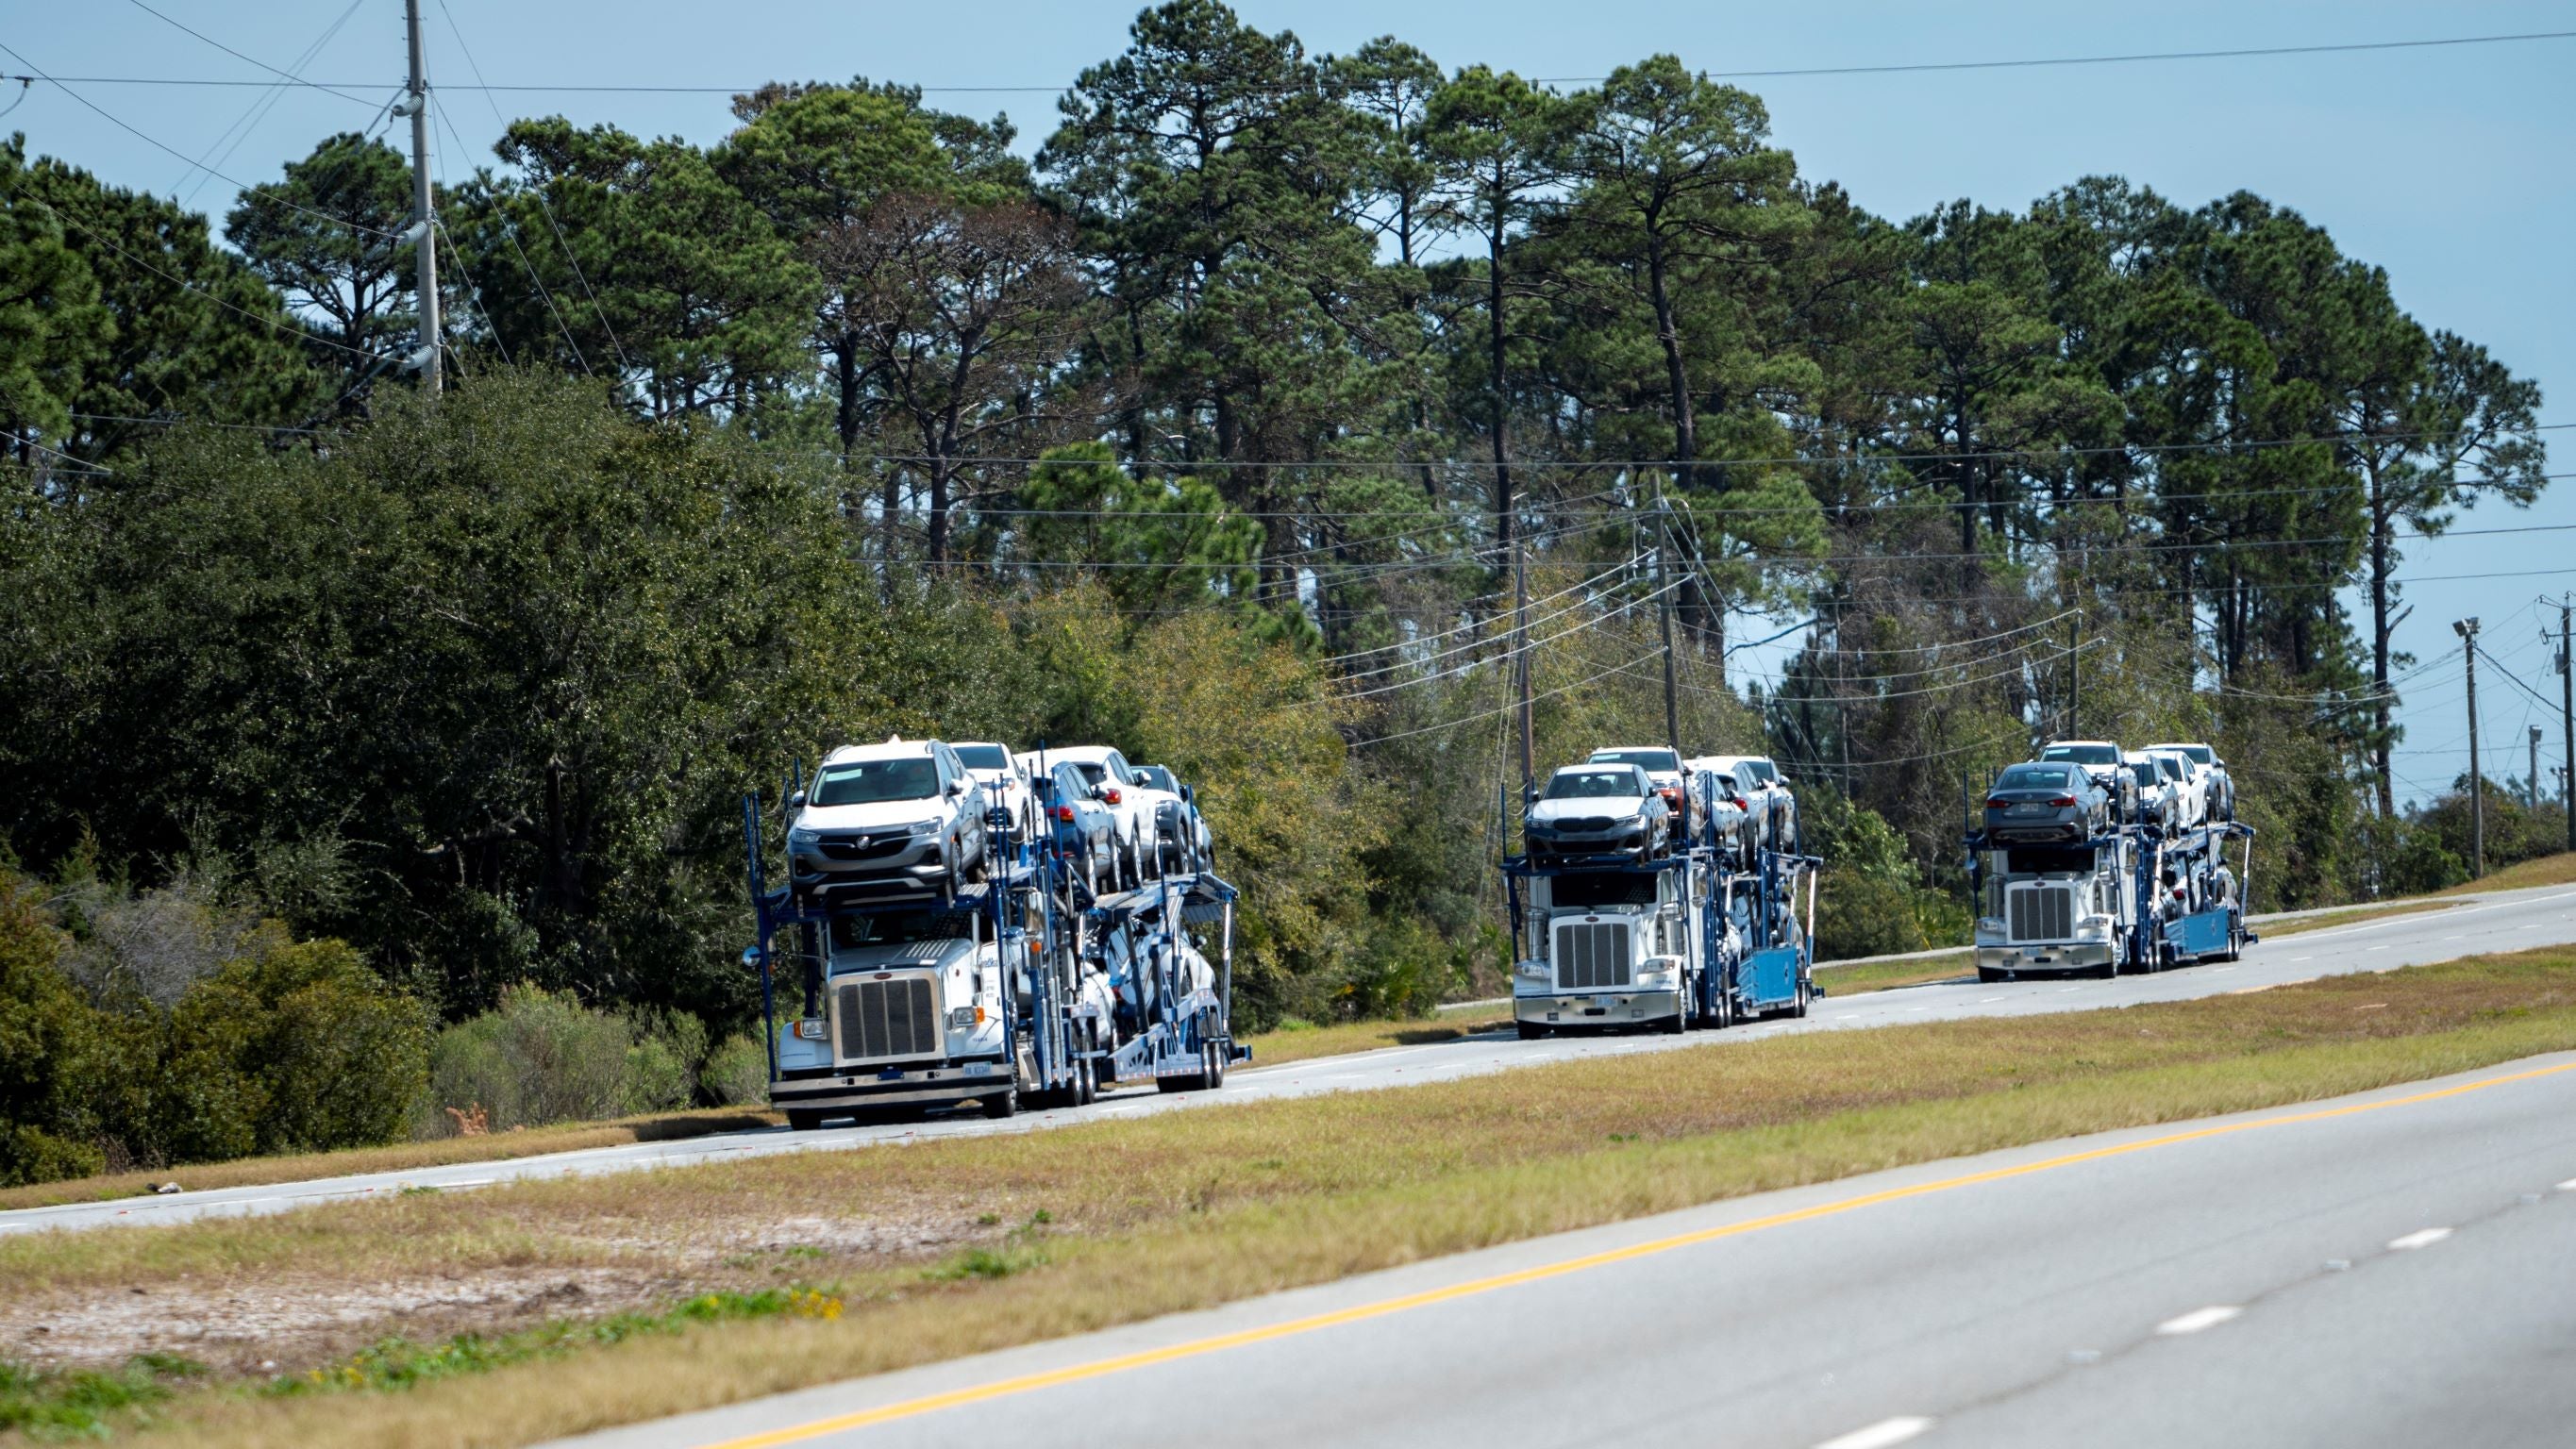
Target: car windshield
[[2145, 773], [871, 781], [1620, 784], [2083, 754], [2201, 754], [1660, 762], [2036, 777], [1158, 777], [984, 757], [1091, 774], [2171, 767], [1763, 771]]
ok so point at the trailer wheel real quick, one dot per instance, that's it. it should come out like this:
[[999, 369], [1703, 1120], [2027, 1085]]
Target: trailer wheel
[[1086, 1083], [1216, 1051], [1806, 995]]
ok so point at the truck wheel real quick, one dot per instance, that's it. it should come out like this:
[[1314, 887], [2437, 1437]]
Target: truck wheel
[[1990, 975], [803, 1119], [1216, 1065], [1530, 1030], [1678, 1025], [1086, 1083], [1007, 1104]]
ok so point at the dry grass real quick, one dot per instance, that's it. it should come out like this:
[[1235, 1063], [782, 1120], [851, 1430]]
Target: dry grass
[[396, 1157], [1301, 1043], [2544, 870], [1186, 1210], [1885, 975]]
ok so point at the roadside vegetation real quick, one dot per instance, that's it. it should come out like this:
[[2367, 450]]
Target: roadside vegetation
[[951, 1247]]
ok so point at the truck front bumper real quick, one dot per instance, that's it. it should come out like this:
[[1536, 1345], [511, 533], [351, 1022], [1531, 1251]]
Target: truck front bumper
[[862, 1091], [1597, 1008], [2055, 956]]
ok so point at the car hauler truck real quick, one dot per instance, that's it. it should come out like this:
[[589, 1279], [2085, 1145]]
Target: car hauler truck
[[1713, 932], [2135, 897], [1020, 988]]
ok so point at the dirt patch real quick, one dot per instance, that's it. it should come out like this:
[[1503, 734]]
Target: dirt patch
[[255, 1323], [286, 1323]]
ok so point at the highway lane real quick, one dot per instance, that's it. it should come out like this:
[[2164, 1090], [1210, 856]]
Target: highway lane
[[2397, 1268], [2503, 921]]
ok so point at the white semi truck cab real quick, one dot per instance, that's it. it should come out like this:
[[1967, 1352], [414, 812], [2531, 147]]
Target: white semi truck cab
[[2057, 907], [908, 1011], [1605, 949]]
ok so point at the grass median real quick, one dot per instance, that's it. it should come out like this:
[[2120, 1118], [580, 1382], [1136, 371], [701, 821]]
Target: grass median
[[954, 1246]]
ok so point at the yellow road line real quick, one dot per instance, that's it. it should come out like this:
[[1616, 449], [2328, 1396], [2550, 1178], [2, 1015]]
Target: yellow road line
[[1101, 1368]]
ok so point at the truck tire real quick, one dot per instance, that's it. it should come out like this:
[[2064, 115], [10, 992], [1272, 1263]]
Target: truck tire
[[1086, 1083], [1991, 976], [1007, 1104], [803, 1119], [1806, 996], [1530, 1030], [1216, 1065]]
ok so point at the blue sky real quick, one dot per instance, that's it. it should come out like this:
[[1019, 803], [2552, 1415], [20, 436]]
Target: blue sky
[[2449, 167]]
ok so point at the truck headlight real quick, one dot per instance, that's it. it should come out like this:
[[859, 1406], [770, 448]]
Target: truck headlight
[[965, 1018], [2093, 926], [1991, 923], [1531, 970], [813, 1028]]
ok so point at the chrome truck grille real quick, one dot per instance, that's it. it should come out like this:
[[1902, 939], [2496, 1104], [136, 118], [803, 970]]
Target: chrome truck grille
[[885, 1020], [1591, 955], [2041, 913]]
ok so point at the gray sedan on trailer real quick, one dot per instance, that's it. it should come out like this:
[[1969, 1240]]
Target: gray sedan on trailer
[[2046, 801], [1594, 810]]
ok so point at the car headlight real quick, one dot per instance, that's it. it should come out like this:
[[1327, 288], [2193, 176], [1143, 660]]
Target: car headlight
[[801, 839], [924, 827]]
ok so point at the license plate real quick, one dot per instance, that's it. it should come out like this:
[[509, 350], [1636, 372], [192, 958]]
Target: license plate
[[1605, 1001], [891, 1074], [2026, 809]]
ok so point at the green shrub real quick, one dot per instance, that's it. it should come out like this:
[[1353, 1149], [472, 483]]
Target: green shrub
[[541, 1056], [52, 1050], [737, 1072], [294, 1046]]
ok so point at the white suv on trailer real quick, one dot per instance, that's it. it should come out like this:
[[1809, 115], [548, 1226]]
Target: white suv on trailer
[[900, 820]]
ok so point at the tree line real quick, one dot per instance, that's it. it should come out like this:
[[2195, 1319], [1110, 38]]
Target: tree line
[[1227, 424]]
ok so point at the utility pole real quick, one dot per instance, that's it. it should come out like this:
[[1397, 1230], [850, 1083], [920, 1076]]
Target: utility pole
[[424, 228], [2074, 693], [2467, 629], [1664, 615], [2567, 720], [1521, 659], [2531, 785]]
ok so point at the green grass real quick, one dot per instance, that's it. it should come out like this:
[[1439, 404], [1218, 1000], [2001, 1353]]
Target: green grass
[[1187, 1210], [88, 1403], [1886, 975]]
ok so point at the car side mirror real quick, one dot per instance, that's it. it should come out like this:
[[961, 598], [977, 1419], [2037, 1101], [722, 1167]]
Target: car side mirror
[[796, 801], [751, 958], [956, 788]]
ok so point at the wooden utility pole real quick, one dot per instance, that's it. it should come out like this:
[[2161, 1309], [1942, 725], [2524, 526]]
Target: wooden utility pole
[[1664, 615], [1521, 663], [2467, 629], [2567, 720], [424, 229]]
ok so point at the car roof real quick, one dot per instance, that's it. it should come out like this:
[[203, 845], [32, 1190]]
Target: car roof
[[1726, 762], [894, 749], [1082, 754], [2068, 744], [1589, 766]]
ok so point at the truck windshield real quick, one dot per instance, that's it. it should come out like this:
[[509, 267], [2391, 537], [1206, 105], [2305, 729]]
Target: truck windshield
[[852, 932], [984, 757], [1619, 784], [870, 782], [1659, 762]]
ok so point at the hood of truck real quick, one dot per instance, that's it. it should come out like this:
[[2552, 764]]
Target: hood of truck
[[901, 956]]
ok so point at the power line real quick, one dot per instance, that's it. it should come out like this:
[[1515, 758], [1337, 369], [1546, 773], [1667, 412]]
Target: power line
[[246, 189], [1792, 73], [1488, 714], [289, 76]]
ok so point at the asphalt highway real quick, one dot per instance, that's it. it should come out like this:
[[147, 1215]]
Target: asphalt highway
[[2501, 921], [2396, 1268]]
